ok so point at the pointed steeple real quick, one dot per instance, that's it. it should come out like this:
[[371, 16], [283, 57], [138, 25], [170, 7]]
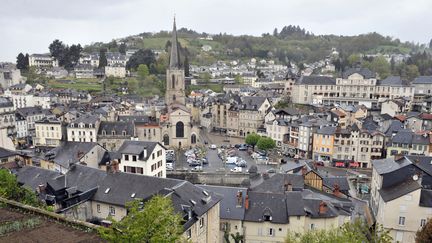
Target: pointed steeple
[[175, 54]]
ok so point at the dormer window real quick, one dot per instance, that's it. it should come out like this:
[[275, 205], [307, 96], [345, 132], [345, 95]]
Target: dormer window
[[90, 125], [124, 133], [113, 133], [103, 132], [72, 125]]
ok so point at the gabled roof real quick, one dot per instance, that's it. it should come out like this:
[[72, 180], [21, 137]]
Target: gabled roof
[[366, 73], [118, 127], [342, 182], [32, 176], [252, 102], [276, 183], [137, 148], [69, 152], [327, 130], [6, 153], [393, 81]]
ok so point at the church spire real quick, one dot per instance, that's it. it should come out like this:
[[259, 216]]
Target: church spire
[[175, 54]]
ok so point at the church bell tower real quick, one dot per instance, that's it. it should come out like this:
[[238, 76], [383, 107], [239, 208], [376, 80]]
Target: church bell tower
[[175, 77]]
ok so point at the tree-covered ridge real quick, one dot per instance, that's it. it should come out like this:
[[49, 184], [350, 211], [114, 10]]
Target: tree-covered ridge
[[290, 44]]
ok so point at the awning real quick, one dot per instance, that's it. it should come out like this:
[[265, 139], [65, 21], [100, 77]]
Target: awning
[[340, 164], [354, 164]]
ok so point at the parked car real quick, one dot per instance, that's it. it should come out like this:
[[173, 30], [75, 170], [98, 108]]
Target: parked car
[[271, 171], [237, 145], [231, 160], [197, 168], [241, 163], [242, 148], [236, 169], [213, 146], [169, 166]]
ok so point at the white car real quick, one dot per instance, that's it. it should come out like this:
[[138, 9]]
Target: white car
[[236, 169], [169, 166], [197, 168], [213, 146]]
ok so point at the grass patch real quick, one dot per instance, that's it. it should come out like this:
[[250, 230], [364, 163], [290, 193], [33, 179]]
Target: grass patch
[[218, 88]]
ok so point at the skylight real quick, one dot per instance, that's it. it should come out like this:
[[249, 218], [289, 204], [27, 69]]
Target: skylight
[[133, 195], [107, 190], [193, 202]]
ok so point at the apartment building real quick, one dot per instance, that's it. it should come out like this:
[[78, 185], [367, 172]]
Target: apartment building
[[83, 129], [49, 132], [252, 111], [406, 142], [111, 135], [145, 158], [323, 142], [401, 195], [42, 61]]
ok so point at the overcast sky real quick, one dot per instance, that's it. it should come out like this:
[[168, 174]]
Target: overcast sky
[[29, 26]]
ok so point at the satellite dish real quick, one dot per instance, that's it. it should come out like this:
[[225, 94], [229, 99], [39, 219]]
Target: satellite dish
[[415, 177]]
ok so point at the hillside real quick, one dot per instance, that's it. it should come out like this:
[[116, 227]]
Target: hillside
[[291, 44]]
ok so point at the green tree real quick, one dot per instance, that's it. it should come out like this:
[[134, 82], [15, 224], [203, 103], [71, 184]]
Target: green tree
[[238, 238], [424, 235], [74, 53], [10, 189], [122, 48], [186, 66], [353, 59], [205, 77], [146, 57], [266, 143], [102, 58], [252, 139], [143, 71], [411, 72], [356, 232], [238, 79], [379, 65], [57, 49], [22, 62], [156, 222]]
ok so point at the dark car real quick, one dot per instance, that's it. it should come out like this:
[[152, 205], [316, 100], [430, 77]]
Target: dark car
[[243, 148], [237, 145]]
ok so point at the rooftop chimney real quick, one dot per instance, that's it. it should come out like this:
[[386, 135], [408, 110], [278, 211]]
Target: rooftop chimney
[[323, 207], [304, 171], [247, 202], [336, 190], [288, 187], [239, 199]]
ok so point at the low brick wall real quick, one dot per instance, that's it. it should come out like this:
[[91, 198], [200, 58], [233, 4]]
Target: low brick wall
[[48, 214]]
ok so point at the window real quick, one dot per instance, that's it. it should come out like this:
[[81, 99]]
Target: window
[[166, 139], [312, 226], [112, 210], [201, 222], [193, 139], [98, 208], [422, 222], [401, 220], [189, 233], [271, 232], [179, 129], [126, 157], [172, 81], [153, 156], [134, 158]]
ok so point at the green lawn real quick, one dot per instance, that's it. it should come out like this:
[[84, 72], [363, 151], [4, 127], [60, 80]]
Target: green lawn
[[218, 88], [78, 84]]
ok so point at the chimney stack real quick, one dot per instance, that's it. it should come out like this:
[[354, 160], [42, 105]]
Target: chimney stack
[[323, 207], [398, 156], [304, 171], [239, 199], [336, 190], [247, 202]]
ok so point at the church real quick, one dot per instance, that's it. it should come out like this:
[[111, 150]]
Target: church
[[178, 130]]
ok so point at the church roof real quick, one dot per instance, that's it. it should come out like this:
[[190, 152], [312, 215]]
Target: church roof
[[175, 54]]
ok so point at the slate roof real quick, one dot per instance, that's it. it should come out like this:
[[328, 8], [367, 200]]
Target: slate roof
[[252, 102], [384, 166], [366, 73], [423, 80], [316, 80], [393, 81], [174, 61], [32, 176], [68, 152], [86, 119], [292, 166], [330, 182], [409, 137], [276, 183], [6, 153], [117, 127], [30, 111], [228, 205], [271, 204], [82, 177], [422, 162], [327, 130], [394, 127], [137, 148], [5, 102], [396, 191], [426, 198]]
